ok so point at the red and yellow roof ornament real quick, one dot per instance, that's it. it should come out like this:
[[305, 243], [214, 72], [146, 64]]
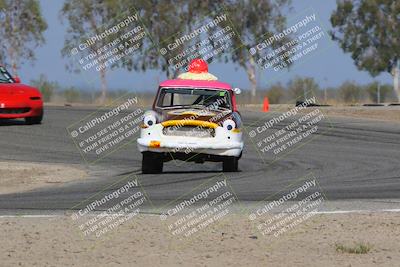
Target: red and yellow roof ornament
[[198, 70]]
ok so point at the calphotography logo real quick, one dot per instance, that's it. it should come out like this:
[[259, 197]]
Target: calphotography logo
[[303, 38], [105, 131], [286, 210], [109, 45], [278, 135], [202, 209], [106, 212], [210, 38]]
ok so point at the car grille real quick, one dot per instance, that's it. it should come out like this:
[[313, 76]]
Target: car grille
[[189, 131], [14, 110]]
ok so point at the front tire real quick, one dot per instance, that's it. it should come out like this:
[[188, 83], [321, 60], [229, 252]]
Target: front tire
[[230, 164], [34, 120], [151, 163]]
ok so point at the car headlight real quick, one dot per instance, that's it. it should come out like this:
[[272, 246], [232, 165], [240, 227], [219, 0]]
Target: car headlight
[[149, 120], [229, 125]]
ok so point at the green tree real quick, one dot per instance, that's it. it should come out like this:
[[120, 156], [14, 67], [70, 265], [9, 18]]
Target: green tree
[[254, 19], [372, 91], [21, 31], [72, 95], [369, 31], [46, 87], [275, 93], [89, 19], [251, 19], [302, 88], [350, 92], [166, 20]]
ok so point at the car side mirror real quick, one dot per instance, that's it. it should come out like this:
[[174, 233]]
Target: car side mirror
[[237, 91], [17, 79]]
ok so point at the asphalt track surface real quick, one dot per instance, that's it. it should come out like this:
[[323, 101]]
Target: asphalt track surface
[[351, 159]]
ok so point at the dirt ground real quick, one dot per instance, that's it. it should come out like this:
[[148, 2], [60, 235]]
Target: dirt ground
[[376, 113], [386, 113], [23, 176], [145, 241]]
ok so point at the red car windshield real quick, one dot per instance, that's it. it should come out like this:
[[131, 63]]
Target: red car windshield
[[188, 97], [5, 77]]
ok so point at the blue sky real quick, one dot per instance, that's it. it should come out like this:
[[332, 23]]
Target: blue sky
[[329, 68]]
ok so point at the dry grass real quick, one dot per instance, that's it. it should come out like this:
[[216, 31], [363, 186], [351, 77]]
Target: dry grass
[[358, 248]]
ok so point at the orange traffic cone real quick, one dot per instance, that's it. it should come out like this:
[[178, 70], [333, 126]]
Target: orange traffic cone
[[266, 104]]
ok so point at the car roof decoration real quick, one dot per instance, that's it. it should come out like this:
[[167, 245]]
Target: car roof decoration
[[198, 70]]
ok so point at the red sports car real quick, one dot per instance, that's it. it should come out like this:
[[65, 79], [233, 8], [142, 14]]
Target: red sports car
[[18, 100]]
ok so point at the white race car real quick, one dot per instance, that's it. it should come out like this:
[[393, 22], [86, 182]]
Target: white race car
[[192, 120]]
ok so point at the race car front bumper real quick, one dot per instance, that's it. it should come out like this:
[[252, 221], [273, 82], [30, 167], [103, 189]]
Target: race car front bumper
[[20, 109], [224, 143]]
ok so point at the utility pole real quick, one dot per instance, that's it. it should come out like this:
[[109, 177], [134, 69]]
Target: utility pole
[[378, 94], [396, 75], [326, 91]]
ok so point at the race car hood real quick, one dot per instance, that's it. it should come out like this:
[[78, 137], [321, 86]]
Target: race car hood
[[194, 114], [10, 90]]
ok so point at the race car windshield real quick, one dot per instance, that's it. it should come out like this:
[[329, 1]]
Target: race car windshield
[[5, 77], [194, 98]]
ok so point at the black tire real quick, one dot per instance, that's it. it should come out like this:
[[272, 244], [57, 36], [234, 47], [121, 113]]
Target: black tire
[[151, 163], [34, 120], [230, 164]]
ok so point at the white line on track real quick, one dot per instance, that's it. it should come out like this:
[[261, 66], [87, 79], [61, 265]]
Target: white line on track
[[355, 211], [29, 216], [317, 212]]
